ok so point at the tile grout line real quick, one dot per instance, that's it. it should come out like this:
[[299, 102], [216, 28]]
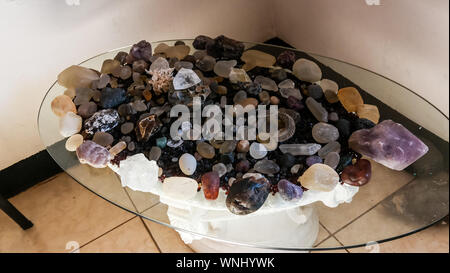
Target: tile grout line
[[151, 235], [326, 238], [105, 233], [142, 221], [368, 210]]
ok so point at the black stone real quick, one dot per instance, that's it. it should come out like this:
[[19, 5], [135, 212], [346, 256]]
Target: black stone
[[201, 41], [344, 127], [315, 91], [247, 195], [362, 123], [224, 47], [286, 160]]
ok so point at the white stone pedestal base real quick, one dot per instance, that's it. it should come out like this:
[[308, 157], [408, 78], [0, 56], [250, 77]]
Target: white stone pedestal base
[[293, 228]]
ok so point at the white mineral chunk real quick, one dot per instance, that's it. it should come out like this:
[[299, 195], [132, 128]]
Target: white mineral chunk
[[180, 188], [138, 173], [185, 78]]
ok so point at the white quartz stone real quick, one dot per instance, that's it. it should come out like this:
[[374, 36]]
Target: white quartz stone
[[307, 70], [138, 173], [70, 124], [180, 188], [185, 78]]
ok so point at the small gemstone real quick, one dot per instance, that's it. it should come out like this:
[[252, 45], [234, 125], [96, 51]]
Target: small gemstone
[[289, 191], [358, 174], [319, 177], [350, 98], [210, 185], [313, 159]]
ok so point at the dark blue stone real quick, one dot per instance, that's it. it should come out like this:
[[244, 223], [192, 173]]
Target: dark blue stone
[[111, 97]]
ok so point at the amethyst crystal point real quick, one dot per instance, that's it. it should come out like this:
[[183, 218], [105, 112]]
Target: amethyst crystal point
[[247, 195], [388, 143], [289, 191]]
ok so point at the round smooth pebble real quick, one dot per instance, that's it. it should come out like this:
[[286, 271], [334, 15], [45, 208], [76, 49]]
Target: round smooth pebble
[[315, 91], [63, 104], [323, 132], [87, 109], [332, 159], [155, 153], [288, 83], [180, 188], [319, 177], [206, 150], [187, 163], [257, 150], [102, 138], [70, 124], [220, 168], [74, 142], [306, 70], [126, 128]]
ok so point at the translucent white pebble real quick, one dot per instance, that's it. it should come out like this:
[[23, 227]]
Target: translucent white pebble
[[258, 150], [180, 188], [73, 142], [187, 163], [70, 124]]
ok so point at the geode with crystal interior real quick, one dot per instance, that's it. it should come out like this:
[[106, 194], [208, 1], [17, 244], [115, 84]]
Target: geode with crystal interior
[[388, 143], [247, 195]]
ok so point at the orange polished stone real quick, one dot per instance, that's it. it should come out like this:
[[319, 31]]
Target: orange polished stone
[[63, 104], [350, 98], [369, 112]]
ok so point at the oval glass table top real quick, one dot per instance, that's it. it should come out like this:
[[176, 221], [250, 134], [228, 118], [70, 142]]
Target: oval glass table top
[[394, 204]]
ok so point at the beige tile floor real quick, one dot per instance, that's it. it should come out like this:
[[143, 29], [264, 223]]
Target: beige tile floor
[[69, 218]]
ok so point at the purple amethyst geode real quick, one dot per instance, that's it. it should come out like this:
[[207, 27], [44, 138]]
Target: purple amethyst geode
[[388, 143]]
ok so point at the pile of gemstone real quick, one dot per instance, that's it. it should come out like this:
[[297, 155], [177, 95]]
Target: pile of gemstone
[[120, 115]]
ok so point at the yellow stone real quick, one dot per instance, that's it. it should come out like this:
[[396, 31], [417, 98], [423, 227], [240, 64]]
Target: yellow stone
[[178, 51], [160, 48], [253, 58], [109, 66], [63, 104], [77, 76], [369, 112], [319, 177], [350, 98]]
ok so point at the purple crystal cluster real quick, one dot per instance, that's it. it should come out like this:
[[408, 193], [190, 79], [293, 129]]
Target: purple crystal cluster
[[388, 143]]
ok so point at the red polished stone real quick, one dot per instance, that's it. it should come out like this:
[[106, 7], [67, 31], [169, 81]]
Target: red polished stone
[[210, 185], [358, 174]]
